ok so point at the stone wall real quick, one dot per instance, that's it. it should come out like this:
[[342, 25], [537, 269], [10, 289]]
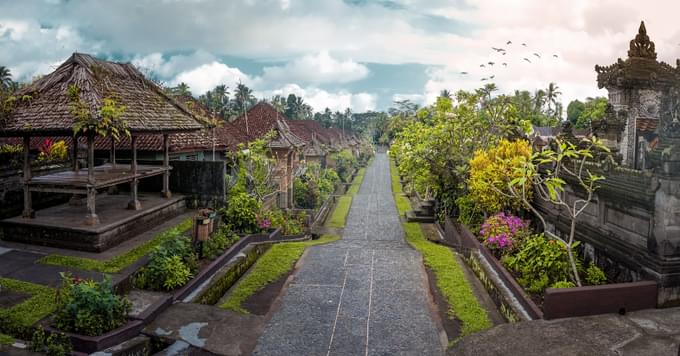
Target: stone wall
[[12, 193], [203, 181]]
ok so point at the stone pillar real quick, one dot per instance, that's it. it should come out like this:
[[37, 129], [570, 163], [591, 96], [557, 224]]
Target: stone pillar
[[91, 218], [76, 199], [291, 179], [166, 164], [28, 202], [113, 152], [134, 202]]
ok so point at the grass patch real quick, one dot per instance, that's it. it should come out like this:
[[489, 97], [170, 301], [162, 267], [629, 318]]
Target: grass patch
[[6, 339], [451, 280], [340, 212], [18, 319], [356, 184], [274, 264], [117, 263]]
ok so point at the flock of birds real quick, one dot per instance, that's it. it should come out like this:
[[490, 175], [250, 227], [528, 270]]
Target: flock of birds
[[504, 52]]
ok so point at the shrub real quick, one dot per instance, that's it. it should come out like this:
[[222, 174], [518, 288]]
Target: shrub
[[290, 225], [171, 265], [503, 232], [57, 344], [219, 242], [563, 284], [540, 263], [89, 308], [469, 212], [52, 151], [345, 162], [595, 276], [306, 193], [241, 212], [492, 170]]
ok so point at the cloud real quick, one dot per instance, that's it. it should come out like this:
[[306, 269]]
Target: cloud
[[316, 68], [321, 99], [168, 66], [206, 76]]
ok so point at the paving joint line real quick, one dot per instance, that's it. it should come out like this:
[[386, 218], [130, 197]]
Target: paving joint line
[[370, 301], [337, 313]]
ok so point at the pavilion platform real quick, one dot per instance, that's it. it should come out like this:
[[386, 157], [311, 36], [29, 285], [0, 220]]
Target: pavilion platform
[[63, 225]]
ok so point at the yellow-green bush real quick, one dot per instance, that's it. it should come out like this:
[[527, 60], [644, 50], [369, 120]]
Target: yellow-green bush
[[490, 172]]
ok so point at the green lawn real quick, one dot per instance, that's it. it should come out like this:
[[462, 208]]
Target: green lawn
[[356, 184], [450, 278], [6, 339], [274, 264], [339, 215], [18, 319], [117, 263]]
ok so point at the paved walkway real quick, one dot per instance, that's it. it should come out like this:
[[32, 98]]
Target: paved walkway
[[366, 294]]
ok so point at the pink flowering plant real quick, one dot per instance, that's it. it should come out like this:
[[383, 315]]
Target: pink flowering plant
[[263, 222], [503, 232]]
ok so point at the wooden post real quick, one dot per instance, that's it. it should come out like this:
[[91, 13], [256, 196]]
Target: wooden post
[[91, 218], [113, 152], [134, 202], [76, 199], [166, 164], [75, 152], [291, 179], [28, 202]]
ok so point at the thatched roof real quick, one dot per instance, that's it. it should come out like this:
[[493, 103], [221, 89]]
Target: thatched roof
[[48, 112], [262, 119]]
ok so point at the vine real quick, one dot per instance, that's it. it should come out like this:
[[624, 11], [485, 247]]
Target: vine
[[109, 120]]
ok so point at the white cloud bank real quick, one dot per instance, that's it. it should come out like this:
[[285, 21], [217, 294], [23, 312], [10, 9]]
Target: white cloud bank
[[317, 68]]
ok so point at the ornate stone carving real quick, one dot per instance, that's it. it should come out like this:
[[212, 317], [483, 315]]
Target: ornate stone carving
[[650, 103], [641, 46]]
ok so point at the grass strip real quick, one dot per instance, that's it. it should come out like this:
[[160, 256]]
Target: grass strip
[[18, 319], [6, 339], [451, 280], [274, 264], [117, 263], [339, 215], [356, 184]]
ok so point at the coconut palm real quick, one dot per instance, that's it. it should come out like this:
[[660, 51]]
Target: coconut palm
[[445, 94], [182, 89], [551, 95], [5, 78], [243, 96]]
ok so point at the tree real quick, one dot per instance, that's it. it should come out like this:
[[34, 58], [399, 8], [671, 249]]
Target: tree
[[243, 96], [547, 172], [6, 82], [574, 110], [182, 89], [445, 94], [593, 109], [551, 95]]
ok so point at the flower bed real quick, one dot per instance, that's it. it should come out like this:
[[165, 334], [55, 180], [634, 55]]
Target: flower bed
[[516, 304]]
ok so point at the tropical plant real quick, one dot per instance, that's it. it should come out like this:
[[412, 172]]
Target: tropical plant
[[503, 232], [497, 167], [182, 89], [547, 173], [219, 241], [88, 307], [241, 212], [595, 276], [52, 151], [171, 265], [253, 168], [56, 344], [107, 122], [5, 78], [345, 164]]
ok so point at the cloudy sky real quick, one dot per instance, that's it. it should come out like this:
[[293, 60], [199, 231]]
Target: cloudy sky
[[338, 53]]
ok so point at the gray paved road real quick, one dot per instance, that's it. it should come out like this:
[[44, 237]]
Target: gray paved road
[[366, 294]]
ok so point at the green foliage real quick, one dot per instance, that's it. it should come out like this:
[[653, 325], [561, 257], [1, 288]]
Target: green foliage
[[574, 111], [219, 242], [563, 284], [89, 308], [339, 215], [171, 265], [593, 109], [56, 344], [6, 339], [108, 120], [356, 183], [19, 319], [275, 218], [595, 275], [53, 151], [469, 212], [314, 186], [345, 163], [120, 262], [451, 280], [253, 168], [306, 194], [7, 148], [274, 264], [491, 171], [241, 212], [434, 147], [540, 262]]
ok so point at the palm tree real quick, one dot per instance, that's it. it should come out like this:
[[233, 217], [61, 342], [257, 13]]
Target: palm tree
[[243, 96], [182, 89], [445, 94], [5, 78], [551, 95]]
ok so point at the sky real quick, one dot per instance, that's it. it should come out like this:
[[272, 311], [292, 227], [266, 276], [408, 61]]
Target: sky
[[362, 54]]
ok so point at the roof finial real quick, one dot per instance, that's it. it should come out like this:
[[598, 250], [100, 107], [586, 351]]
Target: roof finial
[[641, 46]]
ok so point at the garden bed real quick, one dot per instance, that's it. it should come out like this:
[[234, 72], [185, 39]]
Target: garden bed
[[515, 304]]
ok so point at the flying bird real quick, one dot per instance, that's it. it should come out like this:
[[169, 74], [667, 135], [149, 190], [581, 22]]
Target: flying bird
[[491, 63], [505, 64], [527, 59], [509, 43], [524, 44], [554, 55], [482, 66], [463, 73], [503, 53], [483, 79], [493, 76], [537, 55]]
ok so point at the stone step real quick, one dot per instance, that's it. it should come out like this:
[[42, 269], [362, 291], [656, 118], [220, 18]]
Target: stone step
[[413, 217]]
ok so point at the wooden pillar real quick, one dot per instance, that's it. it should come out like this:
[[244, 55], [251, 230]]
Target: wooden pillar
[[134, 202], [28, 202], [91, 218], [113, 152], [75, 152], [166, 164], [291, 179], [76, 199]]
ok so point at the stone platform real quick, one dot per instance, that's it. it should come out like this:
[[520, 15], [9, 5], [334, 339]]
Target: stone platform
[[63, 226]]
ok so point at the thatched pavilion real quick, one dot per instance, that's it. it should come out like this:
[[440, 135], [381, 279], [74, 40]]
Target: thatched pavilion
[[45, 109]]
